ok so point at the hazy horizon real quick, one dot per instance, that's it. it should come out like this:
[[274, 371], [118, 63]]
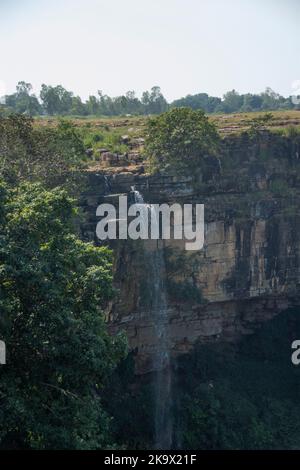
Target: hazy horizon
[[184, 47]]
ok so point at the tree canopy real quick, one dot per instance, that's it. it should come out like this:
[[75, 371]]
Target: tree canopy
[[56, 100], [179, 139], [53, 288], [38, 153], [53, 291]]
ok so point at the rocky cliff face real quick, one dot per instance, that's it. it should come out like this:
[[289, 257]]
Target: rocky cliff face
[[249, 268]]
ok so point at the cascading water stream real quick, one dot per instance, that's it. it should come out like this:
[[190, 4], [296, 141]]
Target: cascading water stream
[[107, 184], [161, 360]]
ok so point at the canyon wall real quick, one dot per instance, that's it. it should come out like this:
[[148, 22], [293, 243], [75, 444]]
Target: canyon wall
[[249, 268]]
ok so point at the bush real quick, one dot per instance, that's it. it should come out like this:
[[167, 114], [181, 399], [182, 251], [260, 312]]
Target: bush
[[180, 139], [53, 288], [30, 153]]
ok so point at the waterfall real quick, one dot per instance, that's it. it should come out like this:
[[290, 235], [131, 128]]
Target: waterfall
[[107, 184], [161, 360], [138, 198], [162, 365]]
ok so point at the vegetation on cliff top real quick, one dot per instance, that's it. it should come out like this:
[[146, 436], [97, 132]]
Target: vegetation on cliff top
[[179, 139], [38, 153]]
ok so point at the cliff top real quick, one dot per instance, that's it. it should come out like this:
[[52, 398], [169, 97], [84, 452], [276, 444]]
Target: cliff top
[[226, 123], [116, 143]]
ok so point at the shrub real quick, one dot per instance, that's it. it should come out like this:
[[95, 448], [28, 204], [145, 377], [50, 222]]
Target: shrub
[[180, 139]]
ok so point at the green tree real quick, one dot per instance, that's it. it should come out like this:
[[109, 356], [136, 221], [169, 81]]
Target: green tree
[[23, 101], [92, 105], [179, 139], [78, 107], [53, 288], [200, 101], [106, 106], [56, 100], [27, 152], [232, 102], [154, 101], [252, 102], [134, 105], [270, 99]]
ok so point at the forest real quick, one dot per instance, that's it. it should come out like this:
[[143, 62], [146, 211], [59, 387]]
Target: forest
[[56, 100]]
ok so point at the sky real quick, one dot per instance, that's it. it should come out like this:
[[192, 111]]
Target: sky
[[183, 46]]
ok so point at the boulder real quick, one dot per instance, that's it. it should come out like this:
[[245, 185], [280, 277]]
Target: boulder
[[100, 151], [125, 139], [89, 152]]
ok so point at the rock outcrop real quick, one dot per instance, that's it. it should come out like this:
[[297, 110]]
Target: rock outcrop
[[249, 268]]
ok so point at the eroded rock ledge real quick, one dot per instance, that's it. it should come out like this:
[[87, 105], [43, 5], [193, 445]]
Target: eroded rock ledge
[[249, 269]]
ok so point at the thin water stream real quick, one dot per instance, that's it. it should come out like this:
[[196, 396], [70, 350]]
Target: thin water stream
[[161, 359]]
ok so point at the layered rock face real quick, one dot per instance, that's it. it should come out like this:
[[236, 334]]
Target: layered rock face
[[249, 268]]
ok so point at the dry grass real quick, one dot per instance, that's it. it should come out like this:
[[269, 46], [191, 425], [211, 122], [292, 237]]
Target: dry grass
[[134, 126], [232, 123]]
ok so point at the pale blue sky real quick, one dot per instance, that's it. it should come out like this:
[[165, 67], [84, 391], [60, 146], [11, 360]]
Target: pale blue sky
[[184, 46]]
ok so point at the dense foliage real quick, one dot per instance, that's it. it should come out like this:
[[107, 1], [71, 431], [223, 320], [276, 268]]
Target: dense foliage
[[53, 290], [233, 102], [243, 396], [56, 100], [59, 354], [180, 139], [38, 153]]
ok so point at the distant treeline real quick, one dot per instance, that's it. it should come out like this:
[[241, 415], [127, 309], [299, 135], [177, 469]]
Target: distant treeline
[[56, 100]]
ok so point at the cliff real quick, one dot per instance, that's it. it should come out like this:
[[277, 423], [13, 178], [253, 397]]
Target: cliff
[[249, 268]]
